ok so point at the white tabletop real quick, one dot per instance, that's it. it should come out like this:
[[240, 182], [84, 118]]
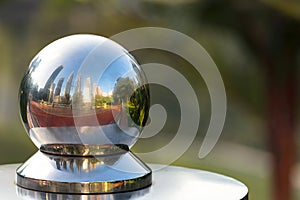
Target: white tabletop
[[168, 183]]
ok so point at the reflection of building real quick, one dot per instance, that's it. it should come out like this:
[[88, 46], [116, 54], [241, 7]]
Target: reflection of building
[[50, 95], [89, 88], [49, 87], [58, 90], [77, 97], [76, 165], [97, 90], [78, 84], [69, 84], [58, 87]]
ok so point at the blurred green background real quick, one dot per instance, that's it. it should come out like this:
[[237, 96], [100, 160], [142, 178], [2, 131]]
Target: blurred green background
[[255, 45]]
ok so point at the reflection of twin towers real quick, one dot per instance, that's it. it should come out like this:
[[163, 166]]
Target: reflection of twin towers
[[53, 91]]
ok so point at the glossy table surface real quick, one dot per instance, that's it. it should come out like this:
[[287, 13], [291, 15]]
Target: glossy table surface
[[168, 183]]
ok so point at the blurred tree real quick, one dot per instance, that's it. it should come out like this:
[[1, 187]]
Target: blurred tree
[[272, 34]]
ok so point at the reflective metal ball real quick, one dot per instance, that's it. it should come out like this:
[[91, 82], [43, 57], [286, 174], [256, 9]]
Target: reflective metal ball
[[83, 90]]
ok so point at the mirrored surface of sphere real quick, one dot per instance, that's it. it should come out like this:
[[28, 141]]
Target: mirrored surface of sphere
[[83, 89]]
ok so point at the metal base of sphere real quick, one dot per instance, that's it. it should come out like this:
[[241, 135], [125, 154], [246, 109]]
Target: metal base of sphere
[[117, 172]]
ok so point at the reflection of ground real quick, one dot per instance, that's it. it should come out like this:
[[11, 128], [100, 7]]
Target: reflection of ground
[[43, 115]]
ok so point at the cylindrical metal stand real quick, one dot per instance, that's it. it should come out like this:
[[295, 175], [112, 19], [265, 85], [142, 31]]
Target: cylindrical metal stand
[[171, 182]]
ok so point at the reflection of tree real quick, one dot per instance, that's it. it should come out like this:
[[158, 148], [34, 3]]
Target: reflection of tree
[[135, 101], [139, 105], [66, 99], [123, 90], [101, 100], [35, 92]]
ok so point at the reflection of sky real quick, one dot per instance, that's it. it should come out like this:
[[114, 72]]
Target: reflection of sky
[[71, 62], [62, 53], [119, 68]]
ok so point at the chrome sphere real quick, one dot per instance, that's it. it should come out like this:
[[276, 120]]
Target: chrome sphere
[[83, 90]]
